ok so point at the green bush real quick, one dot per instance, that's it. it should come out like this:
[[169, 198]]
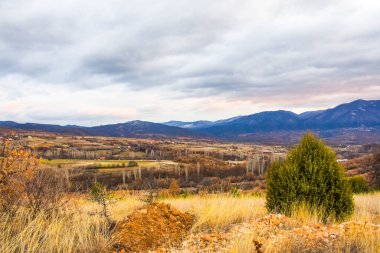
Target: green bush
[[184, 194], [358, 184], [310, 175], [235, 192]]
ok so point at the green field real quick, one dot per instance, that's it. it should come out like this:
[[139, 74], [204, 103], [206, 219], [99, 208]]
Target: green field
[[104, 163]]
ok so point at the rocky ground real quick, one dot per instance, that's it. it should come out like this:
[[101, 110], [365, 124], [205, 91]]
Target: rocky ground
[[161, 228]]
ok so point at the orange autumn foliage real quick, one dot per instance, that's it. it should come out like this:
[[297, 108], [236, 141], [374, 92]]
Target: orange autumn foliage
[[174, 190], [17, 167]]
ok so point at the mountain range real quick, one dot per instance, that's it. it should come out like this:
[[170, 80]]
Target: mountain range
[[353, 119]]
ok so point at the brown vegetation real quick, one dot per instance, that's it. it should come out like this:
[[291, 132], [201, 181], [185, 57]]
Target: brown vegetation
[[24, 183], [18, 167], [368, 166]]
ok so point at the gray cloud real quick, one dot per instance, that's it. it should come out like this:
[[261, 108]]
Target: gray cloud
[[151, 57]]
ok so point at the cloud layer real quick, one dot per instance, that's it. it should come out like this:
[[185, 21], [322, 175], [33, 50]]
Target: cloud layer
[[93, 62]]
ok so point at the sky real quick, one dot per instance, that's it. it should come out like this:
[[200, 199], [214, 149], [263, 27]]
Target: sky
[[93, 62]]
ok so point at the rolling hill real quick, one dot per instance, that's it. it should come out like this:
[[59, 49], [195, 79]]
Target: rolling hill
[[359, 116], [356, 121], [360, 113], [137, 129]]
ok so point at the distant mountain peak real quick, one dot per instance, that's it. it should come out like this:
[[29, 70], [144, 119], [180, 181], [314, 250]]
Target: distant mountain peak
[[356, 114]]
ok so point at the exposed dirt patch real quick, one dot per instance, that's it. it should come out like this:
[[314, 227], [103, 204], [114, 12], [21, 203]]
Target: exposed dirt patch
[[153, 226]]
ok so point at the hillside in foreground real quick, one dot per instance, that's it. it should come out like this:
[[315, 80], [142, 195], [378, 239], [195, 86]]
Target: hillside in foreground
[[223, 223]]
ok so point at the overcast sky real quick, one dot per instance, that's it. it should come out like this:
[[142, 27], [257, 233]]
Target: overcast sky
[[93, 62]]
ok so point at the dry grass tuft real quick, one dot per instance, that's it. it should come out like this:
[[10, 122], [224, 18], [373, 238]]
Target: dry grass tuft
[[76, 228], [367, 208], [220, 211], [61, 232]]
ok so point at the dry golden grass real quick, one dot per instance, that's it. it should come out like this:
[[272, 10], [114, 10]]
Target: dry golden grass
[[121, 206], [360, 239], [74, 229], [367, 208], [304, 215], [63, 232], [246, 243], [220, 211], [360, 234]]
